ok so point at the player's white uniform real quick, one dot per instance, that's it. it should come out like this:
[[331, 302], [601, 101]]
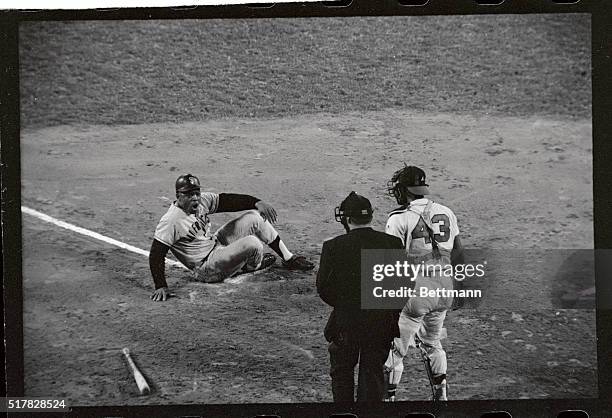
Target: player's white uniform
[[423, 316], [188, 236], [213, 257]]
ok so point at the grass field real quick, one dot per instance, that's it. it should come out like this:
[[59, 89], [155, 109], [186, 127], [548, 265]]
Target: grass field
[[174, 71], [300, 112]]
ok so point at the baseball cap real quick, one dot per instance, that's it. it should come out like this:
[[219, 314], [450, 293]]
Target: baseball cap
[[414, 179], [187, 182], [355, 206]]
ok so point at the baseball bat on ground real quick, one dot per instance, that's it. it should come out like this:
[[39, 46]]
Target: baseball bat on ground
[[142, 384]]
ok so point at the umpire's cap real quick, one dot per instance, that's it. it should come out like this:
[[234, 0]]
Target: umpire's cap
[[187, 183], [354, 206], [414, 179]]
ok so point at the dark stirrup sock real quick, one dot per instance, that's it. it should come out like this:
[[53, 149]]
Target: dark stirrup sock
[[437, 380], [276, 246]]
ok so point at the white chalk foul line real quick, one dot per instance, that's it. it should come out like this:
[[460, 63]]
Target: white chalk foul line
[[91, 234]]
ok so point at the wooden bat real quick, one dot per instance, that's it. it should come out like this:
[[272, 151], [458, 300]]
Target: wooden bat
[[143, 387]]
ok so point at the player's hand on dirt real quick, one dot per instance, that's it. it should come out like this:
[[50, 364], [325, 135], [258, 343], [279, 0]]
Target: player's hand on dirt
[[160, 294], [267, 211]]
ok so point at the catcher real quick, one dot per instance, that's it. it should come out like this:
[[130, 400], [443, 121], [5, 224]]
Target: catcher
[[430, 235], [236, 247]]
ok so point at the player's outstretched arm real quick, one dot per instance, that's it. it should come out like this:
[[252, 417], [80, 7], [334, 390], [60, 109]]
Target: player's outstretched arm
[[157, 264]]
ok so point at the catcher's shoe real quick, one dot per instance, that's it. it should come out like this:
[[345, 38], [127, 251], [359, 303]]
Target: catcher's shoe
[[298, 262], [390, 394], [440, 391]]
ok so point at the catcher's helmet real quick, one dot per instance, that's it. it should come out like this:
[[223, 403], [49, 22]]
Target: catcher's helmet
[[409, 177], [186, 183], [354, 206]]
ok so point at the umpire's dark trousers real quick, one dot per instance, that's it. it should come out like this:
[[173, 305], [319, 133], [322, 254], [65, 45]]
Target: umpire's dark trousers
[[344, 353]]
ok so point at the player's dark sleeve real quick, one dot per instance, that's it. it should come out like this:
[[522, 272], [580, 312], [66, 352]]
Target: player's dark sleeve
[[457, 256], [157, 263], [233, 202], [325, 277]]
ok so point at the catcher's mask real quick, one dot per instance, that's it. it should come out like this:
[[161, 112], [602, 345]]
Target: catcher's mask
[[408, 178], [354, 206]]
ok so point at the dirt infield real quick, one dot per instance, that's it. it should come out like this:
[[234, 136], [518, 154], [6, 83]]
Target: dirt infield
[[513, 161], [262, 340]]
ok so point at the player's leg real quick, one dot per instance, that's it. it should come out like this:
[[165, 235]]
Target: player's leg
[[343, 356], [394, 365], [252, 223], [248, 223], [224, 261], [371, 382], [430, 334]]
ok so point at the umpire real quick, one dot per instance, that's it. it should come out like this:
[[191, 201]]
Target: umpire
[[355, 334]]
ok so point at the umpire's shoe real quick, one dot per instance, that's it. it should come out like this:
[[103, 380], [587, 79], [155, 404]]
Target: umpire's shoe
[[298, 262]]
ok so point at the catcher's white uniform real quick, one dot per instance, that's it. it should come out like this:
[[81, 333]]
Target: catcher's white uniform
[[423, 316]]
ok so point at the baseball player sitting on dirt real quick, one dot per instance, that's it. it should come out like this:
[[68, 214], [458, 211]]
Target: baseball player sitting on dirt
[[430, 235], [236, 247], [355, 335]]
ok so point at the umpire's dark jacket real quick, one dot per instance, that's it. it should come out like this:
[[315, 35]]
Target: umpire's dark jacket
[[339, 285]]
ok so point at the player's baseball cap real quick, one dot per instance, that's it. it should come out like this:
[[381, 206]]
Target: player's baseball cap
[[414, 179], [187, 183], [354, 206]]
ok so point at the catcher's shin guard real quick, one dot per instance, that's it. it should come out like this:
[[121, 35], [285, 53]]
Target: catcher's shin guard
[[393, 369], [389, 385], [427, 363], [437, 383]]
